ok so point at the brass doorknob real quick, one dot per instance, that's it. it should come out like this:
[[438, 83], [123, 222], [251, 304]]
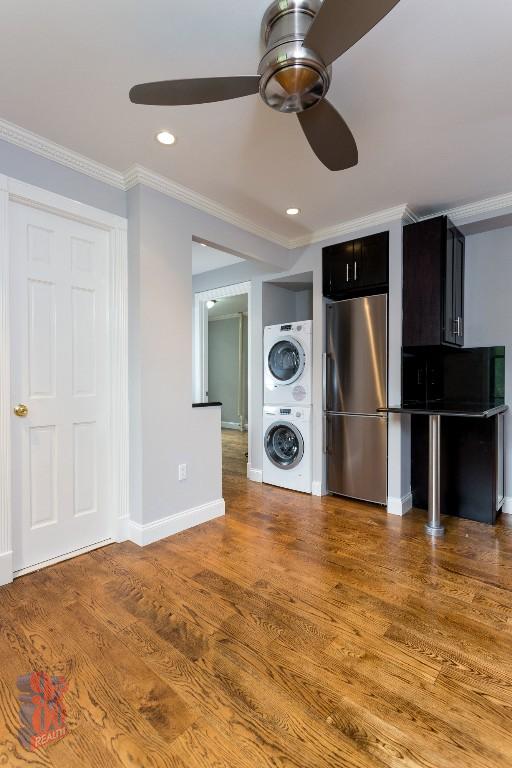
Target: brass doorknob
[[21, 410]]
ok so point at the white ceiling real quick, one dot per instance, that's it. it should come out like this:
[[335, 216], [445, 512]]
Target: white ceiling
[[231, 305], [426, 93], [205, 259]]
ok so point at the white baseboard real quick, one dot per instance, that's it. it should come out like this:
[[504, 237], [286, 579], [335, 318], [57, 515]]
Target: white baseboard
[[316, 489], [168, 526], [255, 475], [6, 574], [122, 532], [507, 505], [399, 507], [232, 425]]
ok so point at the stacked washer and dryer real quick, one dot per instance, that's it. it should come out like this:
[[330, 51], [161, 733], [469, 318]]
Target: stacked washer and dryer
[[287, 413]]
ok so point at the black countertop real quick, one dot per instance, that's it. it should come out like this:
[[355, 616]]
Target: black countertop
[[206, 405], [462, 410]]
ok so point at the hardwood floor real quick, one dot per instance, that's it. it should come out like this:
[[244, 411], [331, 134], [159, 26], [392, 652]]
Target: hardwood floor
[[234, 454], [297, 632]]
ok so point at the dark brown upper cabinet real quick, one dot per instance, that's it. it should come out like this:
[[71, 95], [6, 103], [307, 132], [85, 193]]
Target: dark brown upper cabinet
[[357, 268], [433, 284]]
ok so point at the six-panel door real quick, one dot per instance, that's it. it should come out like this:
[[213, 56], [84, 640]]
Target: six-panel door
[[60, 355]]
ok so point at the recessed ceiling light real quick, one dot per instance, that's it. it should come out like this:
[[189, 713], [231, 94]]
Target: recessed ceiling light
[[203, 245], [293, 211], [164, 137]]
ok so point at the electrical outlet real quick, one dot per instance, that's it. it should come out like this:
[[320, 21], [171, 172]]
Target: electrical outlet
[[182, 472]]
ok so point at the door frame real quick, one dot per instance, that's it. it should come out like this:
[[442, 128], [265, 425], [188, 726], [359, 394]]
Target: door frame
[[201, 346], [14, 191]]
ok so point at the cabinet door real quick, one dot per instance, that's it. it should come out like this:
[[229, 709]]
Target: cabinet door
[[449, 311], [338, 262], [373, 269], [458, 287]]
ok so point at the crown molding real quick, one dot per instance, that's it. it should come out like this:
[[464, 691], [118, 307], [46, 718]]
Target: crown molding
[[487, 208], [399, 213], [137, 174], [14, 134]]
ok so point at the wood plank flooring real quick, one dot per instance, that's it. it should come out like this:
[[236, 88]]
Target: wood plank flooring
[[297, 632]]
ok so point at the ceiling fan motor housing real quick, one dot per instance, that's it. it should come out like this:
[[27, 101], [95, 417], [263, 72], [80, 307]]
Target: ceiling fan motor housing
[[293, 78]]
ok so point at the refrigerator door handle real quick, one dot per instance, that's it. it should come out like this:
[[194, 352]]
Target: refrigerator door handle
[[326, 434], [324, 381]]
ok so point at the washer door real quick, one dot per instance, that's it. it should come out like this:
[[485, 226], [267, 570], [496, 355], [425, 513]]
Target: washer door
[[286, 361], [284, 445]]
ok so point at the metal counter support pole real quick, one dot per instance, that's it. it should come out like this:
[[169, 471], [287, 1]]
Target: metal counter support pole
[[434, 527]]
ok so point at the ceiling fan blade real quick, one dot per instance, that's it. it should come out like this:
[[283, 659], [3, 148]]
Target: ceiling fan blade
[[339, 24], [201, 90], [329, 136]]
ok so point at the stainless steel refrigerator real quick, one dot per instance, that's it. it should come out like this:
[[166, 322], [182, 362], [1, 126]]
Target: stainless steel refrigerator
[[356, 382]]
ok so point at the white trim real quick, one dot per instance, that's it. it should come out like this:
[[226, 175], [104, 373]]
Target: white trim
[[6, 574], [378, 219], [119, 407], [507, 505], [226, 292], [254, 475], [316, 489], [491, 206], [138, 174], [169, 526], [14, 134], [399, 507], [5, 390], [12, 190], [62, 558]]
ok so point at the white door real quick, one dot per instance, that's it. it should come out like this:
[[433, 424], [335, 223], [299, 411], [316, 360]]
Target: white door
[[59, 323]]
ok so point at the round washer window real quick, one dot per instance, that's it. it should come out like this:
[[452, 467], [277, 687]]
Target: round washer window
[[286, 361], [284, 445]]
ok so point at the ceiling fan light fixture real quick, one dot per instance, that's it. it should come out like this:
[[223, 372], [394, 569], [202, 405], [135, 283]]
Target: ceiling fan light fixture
[[302, 39], [166, 138], [292, 211]]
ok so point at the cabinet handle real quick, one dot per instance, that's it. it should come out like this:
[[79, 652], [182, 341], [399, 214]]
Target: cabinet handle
[[348, 273], [355, 270]]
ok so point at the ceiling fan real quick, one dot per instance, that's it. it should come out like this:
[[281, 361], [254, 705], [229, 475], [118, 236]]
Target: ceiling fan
[[302, 39]]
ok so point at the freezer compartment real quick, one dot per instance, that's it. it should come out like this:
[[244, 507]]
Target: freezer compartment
[[357, 456], [357, 355]]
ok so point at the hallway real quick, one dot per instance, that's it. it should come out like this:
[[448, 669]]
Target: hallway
[[234, 454]]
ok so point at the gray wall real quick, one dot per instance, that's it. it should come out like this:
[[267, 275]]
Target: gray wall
[[282, 305], [223, 367], [31, 168], [278, 305], [488, 311], [237, 273], [166, 430]]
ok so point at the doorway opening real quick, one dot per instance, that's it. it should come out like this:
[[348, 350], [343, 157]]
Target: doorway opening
[[222, 356]]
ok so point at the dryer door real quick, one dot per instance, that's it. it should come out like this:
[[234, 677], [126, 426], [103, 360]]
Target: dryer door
[[286, 361], [284, 445]]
